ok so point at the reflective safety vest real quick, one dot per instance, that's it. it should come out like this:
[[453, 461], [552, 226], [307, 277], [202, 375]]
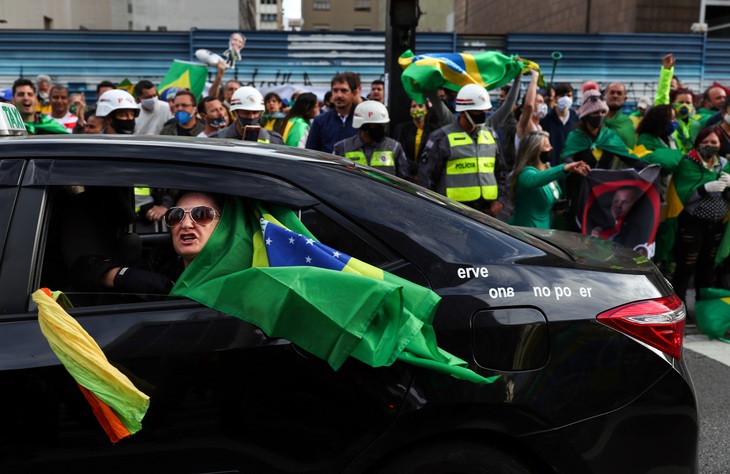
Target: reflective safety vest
[[265, 138], [380, 159], [142, 196], [470, 168]]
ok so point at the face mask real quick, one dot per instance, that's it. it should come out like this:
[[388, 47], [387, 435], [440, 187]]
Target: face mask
[[376, 133], [595, 121], [43, 96], [671, 127], [545, 156], [182, 117], [219, 122], [476, 119], [682, 110], [707, 151], [418, 114], [125, 127], [727, 119], [247, 122], [565, 102], [148, 104], [541, 111]]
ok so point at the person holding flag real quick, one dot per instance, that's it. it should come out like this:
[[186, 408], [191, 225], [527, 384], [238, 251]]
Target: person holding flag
[[697, 196], [596, 145]]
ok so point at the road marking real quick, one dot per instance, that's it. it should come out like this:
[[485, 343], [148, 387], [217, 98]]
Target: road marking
[[716, 350]]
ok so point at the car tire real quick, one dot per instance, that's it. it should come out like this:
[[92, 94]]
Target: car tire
[[455, 457]]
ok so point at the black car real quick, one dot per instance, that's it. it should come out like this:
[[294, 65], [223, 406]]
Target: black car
[[586, 335]]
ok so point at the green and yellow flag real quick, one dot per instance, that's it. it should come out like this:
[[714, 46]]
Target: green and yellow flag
[[265, 267], [117, 404], [126, 85], [185, 75], [430, 71], [712, 311]]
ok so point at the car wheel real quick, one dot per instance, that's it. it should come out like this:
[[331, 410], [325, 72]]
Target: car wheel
[[455, 457]]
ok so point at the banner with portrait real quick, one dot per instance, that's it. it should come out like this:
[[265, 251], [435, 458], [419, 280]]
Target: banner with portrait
[[623, 206]]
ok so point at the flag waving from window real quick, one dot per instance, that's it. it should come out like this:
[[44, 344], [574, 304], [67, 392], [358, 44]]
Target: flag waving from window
[[430, 71], [117, 404], [265, 267]]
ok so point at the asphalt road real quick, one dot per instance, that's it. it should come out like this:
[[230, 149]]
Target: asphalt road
[[709, 365]]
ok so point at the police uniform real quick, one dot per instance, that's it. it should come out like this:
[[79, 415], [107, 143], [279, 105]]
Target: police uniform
[[387, 155], [463, 166]]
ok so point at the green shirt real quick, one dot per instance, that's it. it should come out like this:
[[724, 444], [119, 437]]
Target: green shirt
[[537, 193]]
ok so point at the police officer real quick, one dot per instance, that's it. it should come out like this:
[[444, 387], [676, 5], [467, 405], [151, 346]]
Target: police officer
[[370, 147], [247, 104], [119, 111], [462, 160]]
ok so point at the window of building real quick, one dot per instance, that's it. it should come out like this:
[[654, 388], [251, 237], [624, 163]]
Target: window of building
[[321, 27], [268, 2], [268, 17], [321, 5], [362, 5], [362, 28]]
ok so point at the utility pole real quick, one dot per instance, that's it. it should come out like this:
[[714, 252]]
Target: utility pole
[[400, 36]]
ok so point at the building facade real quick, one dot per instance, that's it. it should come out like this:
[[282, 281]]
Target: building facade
[[141, 15], [370, 15], [497, 17]]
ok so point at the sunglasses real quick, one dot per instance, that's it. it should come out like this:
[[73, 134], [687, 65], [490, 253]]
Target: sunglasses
[[201, 215]]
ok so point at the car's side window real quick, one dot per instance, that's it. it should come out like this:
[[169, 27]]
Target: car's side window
[[87, 225]]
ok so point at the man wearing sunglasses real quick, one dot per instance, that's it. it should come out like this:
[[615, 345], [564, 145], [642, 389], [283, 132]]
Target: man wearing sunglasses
[[191, 221]]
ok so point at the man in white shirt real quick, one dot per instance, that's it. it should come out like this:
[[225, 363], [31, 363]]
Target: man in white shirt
[[153, 112], [58, 96]]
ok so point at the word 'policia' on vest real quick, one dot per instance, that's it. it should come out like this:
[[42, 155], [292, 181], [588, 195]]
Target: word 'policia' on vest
[[470, 169]]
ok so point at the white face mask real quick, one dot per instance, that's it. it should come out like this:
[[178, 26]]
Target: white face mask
[[148, 104], [565, 102], [541, 110]]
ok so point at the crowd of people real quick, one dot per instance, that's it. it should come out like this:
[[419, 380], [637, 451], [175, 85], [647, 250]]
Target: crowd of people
[[525, 161]]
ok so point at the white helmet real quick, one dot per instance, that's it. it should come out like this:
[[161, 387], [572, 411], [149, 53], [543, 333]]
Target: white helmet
[[247, 98], [370, 111], [115, 99], [473, 97]]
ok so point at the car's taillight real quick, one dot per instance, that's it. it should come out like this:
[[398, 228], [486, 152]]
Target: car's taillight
[[659, 322]]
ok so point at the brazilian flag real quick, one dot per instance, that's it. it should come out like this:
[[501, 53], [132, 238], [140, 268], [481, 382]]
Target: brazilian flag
[[712, 311], [263, 266], [185, 75], [430, 71]]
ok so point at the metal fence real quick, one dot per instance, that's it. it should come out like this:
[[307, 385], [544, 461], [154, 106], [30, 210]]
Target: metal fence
[[83, 58]]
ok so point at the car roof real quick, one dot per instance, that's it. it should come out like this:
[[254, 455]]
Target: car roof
[[214, 151]]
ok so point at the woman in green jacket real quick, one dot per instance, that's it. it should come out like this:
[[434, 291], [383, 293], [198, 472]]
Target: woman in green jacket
[[295, 126], [534, 189], [699, 183]]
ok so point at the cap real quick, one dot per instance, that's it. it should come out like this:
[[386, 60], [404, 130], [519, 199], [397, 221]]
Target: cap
[[643, 103], [592, 102], [6, 95], [169, 93]]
